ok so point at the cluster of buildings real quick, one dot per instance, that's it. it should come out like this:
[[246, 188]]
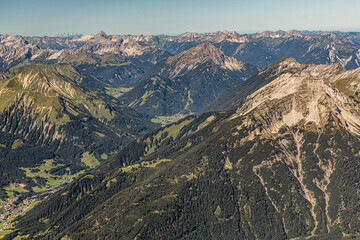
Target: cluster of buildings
[[8, 211], [174, 118]]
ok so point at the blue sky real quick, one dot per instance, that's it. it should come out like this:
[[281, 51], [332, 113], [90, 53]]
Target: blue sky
[[50, 17]]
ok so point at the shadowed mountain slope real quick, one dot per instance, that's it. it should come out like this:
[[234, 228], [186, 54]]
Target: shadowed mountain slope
[[186, 82]]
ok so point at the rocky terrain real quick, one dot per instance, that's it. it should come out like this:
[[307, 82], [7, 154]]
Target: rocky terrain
[[230, 98], [262, 49], [113, 60], [281, 165], [186, 82]]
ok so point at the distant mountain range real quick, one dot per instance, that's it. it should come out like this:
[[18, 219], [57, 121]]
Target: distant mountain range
[[259, 49], [117, 60], [111, 59], [262, 49]]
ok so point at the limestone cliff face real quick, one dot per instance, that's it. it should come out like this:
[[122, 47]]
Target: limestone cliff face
[[286, 67], [306, 95], [289, 109]]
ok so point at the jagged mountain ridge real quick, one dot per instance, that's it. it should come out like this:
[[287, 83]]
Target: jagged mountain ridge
[[283, 164], [111, 59], [259, 49], [14, 47], [310, 95], [229, 99], [262, 49], [186, 82]]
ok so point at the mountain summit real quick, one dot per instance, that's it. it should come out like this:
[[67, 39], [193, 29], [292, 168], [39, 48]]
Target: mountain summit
[[101, 34], [287, 65], [305, 95], [188, 81], [189, 59]]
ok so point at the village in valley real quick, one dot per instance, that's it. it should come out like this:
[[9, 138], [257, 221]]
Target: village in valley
[[15, 206], [164, 120]]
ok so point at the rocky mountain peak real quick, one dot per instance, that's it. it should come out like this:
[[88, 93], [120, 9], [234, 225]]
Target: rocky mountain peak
[[101, 34], [302, 95], [268, 34], [290, 65], [189, 34], [226, 32], [202, 53], [206, 49], [292, 33], [286, 64]]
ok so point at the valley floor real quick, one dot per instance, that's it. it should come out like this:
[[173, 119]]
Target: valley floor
[[15, 206]]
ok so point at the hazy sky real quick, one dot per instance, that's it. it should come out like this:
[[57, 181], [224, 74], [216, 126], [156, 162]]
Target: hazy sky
[[50, 17]]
